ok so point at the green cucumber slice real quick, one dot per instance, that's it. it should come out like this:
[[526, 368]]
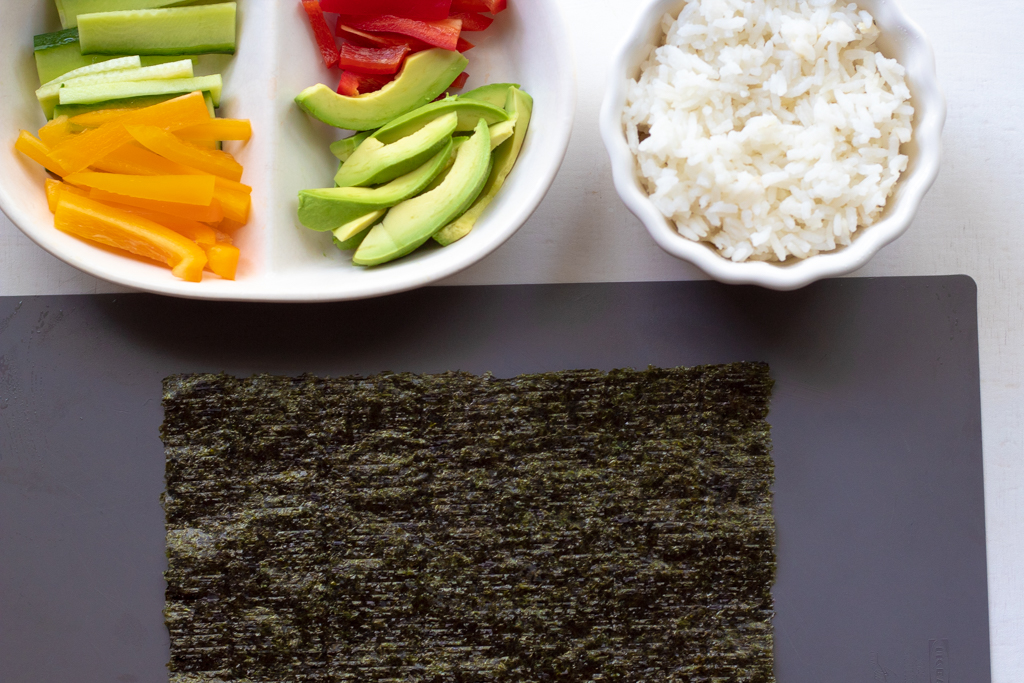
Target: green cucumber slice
[[180, 30], [70, 110], [58, 53], [88, 94], [49, 94], [116, 64], [70, 9]]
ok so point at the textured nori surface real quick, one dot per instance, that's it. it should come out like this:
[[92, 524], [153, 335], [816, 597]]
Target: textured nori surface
[[572, 526]]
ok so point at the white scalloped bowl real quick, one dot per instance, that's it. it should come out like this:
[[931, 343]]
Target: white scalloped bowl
[[276, 59], [900, 38]]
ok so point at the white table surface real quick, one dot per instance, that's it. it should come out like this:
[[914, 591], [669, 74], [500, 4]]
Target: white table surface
[[969, 223]]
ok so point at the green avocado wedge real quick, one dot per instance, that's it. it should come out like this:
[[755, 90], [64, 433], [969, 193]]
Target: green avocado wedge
[[374, 163], [492, 93], [345, 235], [423, 77], [411, 223], [520, 105], [343, 149], [327, 209], [469, 111]]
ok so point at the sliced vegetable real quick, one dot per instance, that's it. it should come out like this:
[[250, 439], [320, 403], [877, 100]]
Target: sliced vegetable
[[38, 151], [520, 106], [70, 9], [181, 189], [82, 150], [322, 32], [459, 82], [200, 233], [84, 217], [54, 132], [370, 60], [223, 259], [89, 94], [425, 10], [352, 84], [473, 21], [49, 94], [177, 31], [354, 227], [343, 149], [443, 34], [212, 214], [374, 163], [75, 110], [368, 39], [492, 6], [424, 76], [218, 129], [169, 146]]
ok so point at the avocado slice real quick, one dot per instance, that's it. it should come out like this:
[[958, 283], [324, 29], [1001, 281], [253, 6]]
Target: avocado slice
[[344, 235], [469, 111], [520, 105], [414, 221], [423, 77], [501, 132], [374, 163], [326, 209], [343, 149], [492, 93]]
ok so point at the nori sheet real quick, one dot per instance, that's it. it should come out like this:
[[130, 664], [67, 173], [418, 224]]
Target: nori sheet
[[570, 526]]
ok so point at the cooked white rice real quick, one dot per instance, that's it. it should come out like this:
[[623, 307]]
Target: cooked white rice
[[769, 128]]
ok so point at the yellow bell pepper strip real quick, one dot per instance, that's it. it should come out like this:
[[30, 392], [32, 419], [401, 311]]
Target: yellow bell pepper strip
[[81, 151], [229, 226], [98, 222], [95, 119], [134, 159], [168, 145], [54, 132], [223, 259], [218, 130], [200, 233], [236, 205], [55, 187], [182, 189], [211, 214], [38, 151]]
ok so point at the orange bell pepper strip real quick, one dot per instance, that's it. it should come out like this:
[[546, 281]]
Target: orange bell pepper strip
[[38, 151], [200, 233], [216, 130], [181, 189], [236, 205], [169, 146], [214, 213], [98, 222], [95, 119], [134, 159], [54, 132], [81, 151], [223, 259], [55, 187]]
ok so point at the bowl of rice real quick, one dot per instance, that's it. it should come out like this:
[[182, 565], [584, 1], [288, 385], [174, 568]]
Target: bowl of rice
[[774, 142]]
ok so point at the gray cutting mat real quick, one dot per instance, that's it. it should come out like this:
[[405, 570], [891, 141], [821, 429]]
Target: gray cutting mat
[[876, 427]]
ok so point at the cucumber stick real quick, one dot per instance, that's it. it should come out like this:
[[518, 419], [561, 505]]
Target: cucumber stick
[[178, 30], [70, 9], [88, 94], [58, 53], [49, 94]]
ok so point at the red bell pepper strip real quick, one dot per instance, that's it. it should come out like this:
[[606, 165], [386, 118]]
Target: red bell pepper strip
[[443, 34], [424, 10], [352, 84], [463, 45], [459, 82], [324, 39], [372, 60], [473, 21], [367, 39], [492, 6]]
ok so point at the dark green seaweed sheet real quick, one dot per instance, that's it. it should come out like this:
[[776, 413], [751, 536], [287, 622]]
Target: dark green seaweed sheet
[[571, 526]]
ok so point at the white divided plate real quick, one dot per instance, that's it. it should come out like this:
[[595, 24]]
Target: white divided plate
[[276, 59]]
